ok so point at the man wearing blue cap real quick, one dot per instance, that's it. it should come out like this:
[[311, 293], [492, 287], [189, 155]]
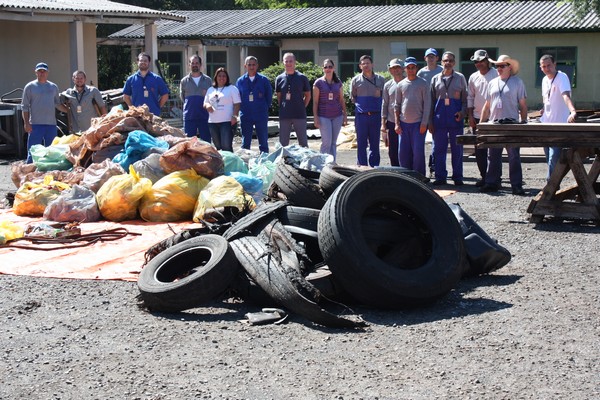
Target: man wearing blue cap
[[40, 101]]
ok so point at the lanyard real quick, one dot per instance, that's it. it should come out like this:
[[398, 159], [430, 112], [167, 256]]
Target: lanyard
[[289, 81], [506, 83], [447, 86], [77, 96], [374, 83], [551, 83]]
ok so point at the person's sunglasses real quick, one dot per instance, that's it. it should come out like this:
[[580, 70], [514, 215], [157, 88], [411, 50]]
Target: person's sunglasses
[[328, 67], [502, 65]]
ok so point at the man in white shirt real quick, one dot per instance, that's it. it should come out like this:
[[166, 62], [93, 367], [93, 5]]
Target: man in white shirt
[[558, 106]]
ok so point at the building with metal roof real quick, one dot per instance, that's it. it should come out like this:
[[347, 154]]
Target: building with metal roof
[[523, 29], [62, 33]]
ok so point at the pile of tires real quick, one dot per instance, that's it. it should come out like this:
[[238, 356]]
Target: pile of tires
[[376, 237]]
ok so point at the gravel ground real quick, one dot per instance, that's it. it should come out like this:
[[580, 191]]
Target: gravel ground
[[528, 331]]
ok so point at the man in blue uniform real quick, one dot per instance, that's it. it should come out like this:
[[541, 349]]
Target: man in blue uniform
[[145, 87], [256, 93], [366, 90], [192, 90]]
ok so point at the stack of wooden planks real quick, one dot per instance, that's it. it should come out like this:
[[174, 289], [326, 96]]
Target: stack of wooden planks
[[538, 135]]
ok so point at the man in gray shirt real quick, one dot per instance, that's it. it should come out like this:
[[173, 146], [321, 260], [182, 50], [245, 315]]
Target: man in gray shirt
[[449, 100], [412, 108], [388, 127], [40, 102], [428, 72], [84, 103]]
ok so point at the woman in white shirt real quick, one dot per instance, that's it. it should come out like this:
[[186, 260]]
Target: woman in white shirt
[[222, 101]]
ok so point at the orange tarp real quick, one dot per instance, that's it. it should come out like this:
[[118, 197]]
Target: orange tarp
[[120, 259]]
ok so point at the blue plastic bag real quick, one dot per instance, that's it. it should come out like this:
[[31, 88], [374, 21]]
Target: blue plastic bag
[[252, 185], [137, 147]]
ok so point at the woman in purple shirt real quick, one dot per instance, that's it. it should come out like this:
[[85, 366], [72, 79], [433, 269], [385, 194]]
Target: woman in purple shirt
[[329, 107]]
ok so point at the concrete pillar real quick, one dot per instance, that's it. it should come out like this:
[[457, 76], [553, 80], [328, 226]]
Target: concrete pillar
[[76, 61], [151, 43]]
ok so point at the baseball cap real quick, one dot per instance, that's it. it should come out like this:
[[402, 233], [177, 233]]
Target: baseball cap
[[431, 51], [41, 65], [479, 55], [396, 62], [410, 61]]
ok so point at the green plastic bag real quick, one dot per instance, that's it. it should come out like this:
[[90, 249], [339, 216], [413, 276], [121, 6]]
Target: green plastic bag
[[51, 158], [233, 162]]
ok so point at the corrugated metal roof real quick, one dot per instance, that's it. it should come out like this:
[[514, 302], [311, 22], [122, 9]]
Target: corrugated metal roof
[[84, 6], [470, 18]]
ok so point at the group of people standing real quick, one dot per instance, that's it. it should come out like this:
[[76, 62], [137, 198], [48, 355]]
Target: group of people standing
[[438, 98], [435, 98], [41, 99]]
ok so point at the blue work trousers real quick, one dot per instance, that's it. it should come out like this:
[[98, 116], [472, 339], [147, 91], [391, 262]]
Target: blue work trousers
[[393, 144], [441, 137], [249, 123], [367, 133], [552, 156], [197, 127], [494, 172], [412, 147], [40, 134]]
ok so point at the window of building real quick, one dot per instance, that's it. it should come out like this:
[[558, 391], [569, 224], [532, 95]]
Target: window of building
[[214, 61], [174, 59], [328, 49], [302, 56], [348, 62], [464, 64], [566, 61], [419, 54]]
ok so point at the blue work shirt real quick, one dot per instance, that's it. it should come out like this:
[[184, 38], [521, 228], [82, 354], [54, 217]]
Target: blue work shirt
[[256, 95], [136, 85]]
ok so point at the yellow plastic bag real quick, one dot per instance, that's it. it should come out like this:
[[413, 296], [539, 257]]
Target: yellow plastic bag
[[173, 197], [222, 193], [9, 231], [66, 139], [119, 197], [32, 198]]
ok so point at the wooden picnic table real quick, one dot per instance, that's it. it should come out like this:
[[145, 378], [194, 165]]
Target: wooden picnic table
[[578, 142]]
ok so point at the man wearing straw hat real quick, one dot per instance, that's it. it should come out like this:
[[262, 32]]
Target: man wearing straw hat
[[505, 102]]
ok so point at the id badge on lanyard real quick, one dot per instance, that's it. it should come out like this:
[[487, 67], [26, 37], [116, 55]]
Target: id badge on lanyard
[[146, 91], [251, 97], [288, 96], [330, 96]]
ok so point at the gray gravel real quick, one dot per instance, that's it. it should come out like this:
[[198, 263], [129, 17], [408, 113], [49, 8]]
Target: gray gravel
[[528, 331]]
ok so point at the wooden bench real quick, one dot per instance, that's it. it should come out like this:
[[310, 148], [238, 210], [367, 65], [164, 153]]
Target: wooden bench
[[578, 141]]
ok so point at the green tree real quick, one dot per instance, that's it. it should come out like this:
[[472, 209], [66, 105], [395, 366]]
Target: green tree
[[584, 7]]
